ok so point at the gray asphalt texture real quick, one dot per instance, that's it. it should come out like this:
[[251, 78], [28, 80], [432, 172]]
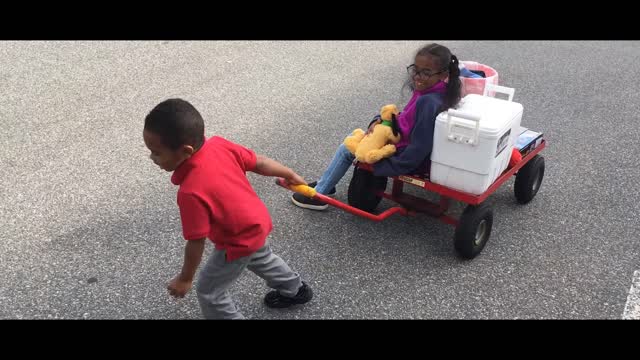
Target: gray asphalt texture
[[90, 229]]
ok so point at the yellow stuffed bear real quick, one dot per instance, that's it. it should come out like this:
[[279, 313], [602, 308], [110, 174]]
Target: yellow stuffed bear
[[378, 144]]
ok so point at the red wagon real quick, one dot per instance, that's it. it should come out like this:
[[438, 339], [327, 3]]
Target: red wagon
[[472, 228]]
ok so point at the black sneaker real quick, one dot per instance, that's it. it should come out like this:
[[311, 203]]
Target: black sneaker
[[308, 203], [332, 192], [275, 300]]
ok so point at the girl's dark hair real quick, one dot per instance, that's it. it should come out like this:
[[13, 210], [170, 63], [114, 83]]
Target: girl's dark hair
[[177, 122], [446, 62]]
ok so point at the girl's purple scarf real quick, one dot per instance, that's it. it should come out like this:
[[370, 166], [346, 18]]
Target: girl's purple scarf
[[407, 117]]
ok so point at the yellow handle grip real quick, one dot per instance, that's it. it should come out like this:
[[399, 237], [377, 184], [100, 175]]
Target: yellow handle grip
[[304, 190], [301, 189]]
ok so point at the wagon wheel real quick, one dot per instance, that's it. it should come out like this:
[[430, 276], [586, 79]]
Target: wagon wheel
[[529, 179], [474, 230], [363, 188]]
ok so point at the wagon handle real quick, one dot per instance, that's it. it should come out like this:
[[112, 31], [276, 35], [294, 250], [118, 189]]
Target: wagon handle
[[305, 190], [311, 192]]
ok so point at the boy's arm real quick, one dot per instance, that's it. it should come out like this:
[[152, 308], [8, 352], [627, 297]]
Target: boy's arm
[[269, 167], [181, 284]]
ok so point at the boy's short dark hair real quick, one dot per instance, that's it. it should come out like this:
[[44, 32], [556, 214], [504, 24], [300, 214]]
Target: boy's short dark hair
[[177, 122]]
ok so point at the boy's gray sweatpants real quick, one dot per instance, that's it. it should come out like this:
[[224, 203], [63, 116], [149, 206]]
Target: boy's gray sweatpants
[[218, 275]]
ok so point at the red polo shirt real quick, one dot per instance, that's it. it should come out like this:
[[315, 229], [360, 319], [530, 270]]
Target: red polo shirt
[[217, 201]]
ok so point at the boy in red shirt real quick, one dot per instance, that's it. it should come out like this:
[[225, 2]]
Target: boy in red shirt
[[217, 201]]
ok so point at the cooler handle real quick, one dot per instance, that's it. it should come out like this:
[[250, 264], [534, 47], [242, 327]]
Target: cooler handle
[[460, 138], [499, 89]]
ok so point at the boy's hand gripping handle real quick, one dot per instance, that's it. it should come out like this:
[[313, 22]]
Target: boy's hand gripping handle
[[301, 189]]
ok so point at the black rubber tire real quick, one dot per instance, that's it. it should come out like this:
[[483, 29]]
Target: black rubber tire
[[474, 230], [529, 179], [363, 188]]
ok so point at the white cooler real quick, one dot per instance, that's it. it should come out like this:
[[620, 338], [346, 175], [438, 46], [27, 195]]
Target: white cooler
[[472, 145]]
